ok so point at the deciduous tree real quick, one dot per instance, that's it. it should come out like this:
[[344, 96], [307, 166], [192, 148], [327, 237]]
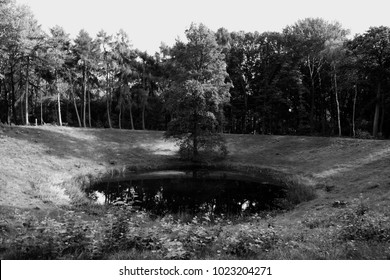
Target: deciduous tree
[[198, 92]]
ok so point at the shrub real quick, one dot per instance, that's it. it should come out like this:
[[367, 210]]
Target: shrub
[[361, 134], [246, 240], [49, 239], [364, 227], [121, 232], [210, 147]]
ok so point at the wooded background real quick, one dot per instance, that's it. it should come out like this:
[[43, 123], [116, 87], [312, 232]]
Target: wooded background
[[309, 79]]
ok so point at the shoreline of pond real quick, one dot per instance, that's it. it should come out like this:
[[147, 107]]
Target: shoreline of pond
[[300, 188]]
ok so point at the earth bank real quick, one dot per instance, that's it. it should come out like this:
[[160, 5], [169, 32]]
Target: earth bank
[[43, 167]]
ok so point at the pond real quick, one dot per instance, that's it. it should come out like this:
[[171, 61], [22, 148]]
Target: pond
[[191, 193]]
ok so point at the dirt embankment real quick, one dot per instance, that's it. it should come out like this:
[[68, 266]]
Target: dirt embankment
[[36, 161]]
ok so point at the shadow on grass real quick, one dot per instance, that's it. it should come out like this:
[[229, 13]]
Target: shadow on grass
[[102, 145]]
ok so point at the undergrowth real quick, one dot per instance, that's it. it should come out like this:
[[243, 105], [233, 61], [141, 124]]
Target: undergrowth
[[353, 232]]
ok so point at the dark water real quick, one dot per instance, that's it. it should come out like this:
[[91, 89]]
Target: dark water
[[191, 193]]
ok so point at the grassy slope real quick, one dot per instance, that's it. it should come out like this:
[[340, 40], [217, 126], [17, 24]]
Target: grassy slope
[[36, 161]]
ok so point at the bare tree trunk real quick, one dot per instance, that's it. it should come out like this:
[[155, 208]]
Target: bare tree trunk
[[120, 116], [322, 106], [21, 109], [108, 111], [41, 101], [312, 89], [9, 106], [74, 98], [145, 94], [7, 103], [5, 97], [244, 130], [75, 107], [84, 96], [108, 97], [354, 112], [337, 101], [263, 124], [131, 114], [221, 120], [26, 94], [143, 115], [377, 109], [13, 109], [89, 108], [195, 137], [59, 108], [382, 114], [58, 100]]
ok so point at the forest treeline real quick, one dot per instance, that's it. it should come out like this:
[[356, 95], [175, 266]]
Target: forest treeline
[[308, 79]]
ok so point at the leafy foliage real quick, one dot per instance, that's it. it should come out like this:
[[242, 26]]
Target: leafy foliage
[[124, 233], [198, 93], [308, 79], [360, 224]]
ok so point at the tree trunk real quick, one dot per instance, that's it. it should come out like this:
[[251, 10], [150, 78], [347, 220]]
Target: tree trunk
[[263, 124], [337, 101], [144, 95], [5, 98], [21, 110], [39, 91], [354, 112], [120, 116], [84, 95], [221, 120], [195, 138], [244, 130], [41, 101], [377, 109], [59, 108], [89, 108], [312, 89], [312, 107], [382, 114], [131, 115], [143, 115], [74, 99], [6, 101], [35, 113], [26, 94], [108, 112], [108, 97], [75, 107], [58, 101], [9, 105], [13, 109]]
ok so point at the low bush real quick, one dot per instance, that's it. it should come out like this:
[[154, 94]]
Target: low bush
[[123, 230], [361, 224], [362, 134], [353, 232]]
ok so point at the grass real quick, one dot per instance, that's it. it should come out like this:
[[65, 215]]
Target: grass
[[44, 169]]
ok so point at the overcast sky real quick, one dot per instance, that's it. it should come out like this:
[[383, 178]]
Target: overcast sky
[[150, 22]]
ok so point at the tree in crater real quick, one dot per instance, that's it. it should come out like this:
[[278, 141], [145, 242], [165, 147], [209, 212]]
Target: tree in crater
[[197, 94]]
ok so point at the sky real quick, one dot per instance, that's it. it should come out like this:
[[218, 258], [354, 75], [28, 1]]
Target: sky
[[151, 22]]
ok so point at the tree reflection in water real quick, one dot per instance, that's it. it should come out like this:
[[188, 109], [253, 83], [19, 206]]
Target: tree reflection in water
[[191, 194]]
